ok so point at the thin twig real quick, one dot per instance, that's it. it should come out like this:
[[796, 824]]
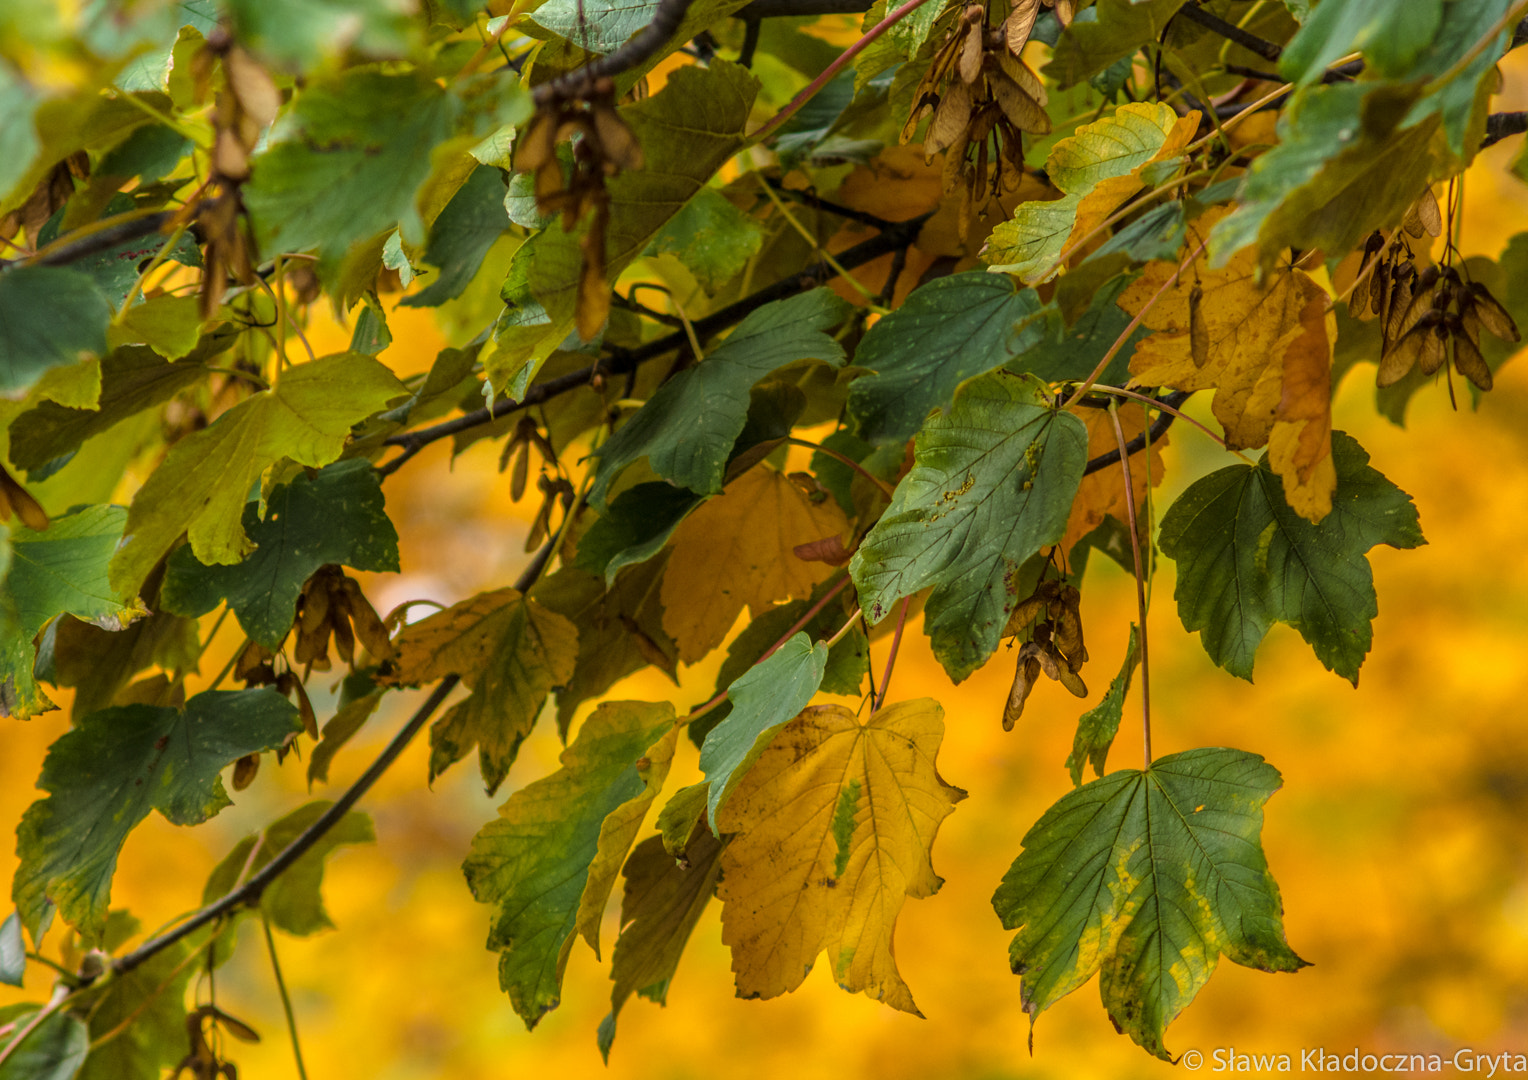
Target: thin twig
[[1140, 578], [886, 488], [1157, 429], [818, 203], [627, 360], [796, 627], [834, 68], [286, 999], [1130, 327], [891, 661]]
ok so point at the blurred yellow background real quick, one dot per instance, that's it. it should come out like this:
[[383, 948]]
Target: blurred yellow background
[[1400, 839]]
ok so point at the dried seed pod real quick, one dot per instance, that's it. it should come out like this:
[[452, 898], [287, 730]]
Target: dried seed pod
[[1020, 24], [1489, 311]]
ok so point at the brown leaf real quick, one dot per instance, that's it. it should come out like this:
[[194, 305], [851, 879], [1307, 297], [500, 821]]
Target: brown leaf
[[950, 119], [16, 499], [830, 550], [1020, 24], [1102, 493]]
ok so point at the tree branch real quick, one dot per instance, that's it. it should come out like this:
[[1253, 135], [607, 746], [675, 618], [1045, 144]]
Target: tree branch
[[1251, 42], [1158, 428], [100, 240], [1503, 125], [248, 894], [642, 45], [897, 236], [768, 9], [806, 198]]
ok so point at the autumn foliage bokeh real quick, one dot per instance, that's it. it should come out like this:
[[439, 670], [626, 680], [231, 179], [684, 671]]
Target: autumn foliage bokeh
[[1399, 839]]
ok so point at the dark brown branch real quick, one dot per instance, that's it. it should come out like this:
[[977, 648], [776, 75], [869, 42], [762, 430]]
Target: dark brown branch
[[1158, 428], [1230, 31], [101, 240], [806, 198], [642, 46], [1504, 125], [248, 894], [1342, 73], [897, 236]]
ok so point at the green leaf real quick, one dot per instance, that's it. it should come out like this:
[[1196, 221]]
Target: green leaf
[[688, 427], [1341, 169], [59, 571], [944, 333], [116, 765], [1246, 560], [663, 900], [49, 316], [300, 33], [1390, 33], [687, 131], [1030, 244], [461, 236], [711, 237], [1117, 30], [201, 486], [13, 951], [510, 651], [116, 269], [98, 663], [681, 817], [294, 901], [1097, 727], [144, 1010], [345, 164], [1061, 352], [764, 699], [634, 527], [359, 698], [1147, 877], [993, 483], [54, 1050], [534, 862], [336, 517], [133, 378]]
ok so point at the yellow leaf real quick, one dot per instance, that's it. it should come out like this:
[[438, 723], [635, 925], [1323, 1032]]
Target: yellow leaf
[[1103, 492], [1097, 170], [617, 833], [510, 651], [834, 825], [1248, 331], [1300, 446], [739, 549], [1111, 192]]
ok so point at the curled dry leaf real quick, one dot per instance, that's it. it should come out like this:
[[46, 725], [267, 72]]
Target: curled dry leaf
[[830, 550], [15, 499]]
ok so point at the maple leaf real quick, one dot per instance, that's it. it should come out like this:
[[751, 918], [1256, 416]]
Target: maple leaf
[[663, 900], [1097, 168], [738, 550], [1246, 560], [201, 487], [834, 824], [993, 483], [550, 859], [1265, 349], [104, 777], [510, 651], [1148, 877]]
